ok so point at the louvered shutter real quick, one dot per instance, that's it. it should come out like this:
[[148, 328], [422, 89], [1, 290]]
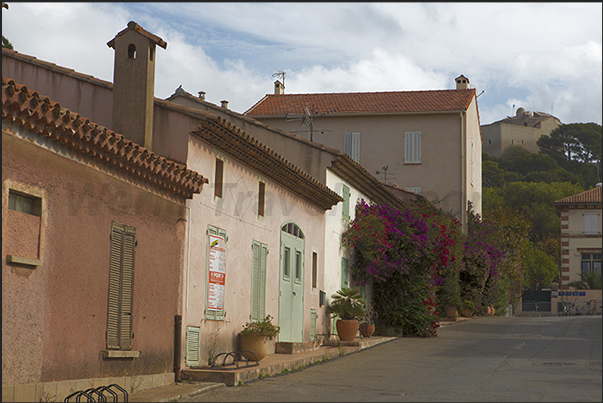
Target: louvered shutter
[[121, 281], [114, 302], [412, 147], [313, 319], [258, 281], [127, 289], [262, 288], [255, 282], [193, 346], [346, 202], [351, 145]]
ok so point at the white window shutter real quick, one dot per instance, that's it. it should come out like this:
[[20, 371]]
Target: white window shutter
[[351, 145], [193, 346], [412, 147]]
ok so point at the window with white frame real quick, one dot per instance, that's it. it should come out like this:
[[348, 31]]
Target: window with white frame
[[412, 147], [591, 223], [590, 262], [351, 145]]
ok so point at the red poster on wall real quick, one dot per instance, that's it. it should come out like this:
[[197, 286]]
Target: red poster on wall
[[217, 273]]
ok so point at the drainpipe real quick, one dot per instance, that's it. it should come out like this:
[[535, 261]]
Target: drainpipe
[[463, 173], [177, 347]]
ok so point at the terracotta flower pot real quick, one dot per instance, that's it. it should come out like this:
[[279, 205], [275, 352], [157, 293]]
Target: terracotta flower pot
[[257, 344], [452, 312], [347, 329], [366, 330]]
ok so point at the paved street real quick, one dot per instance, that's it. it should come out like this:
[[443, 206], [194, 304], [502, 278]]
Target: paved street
[[487, 359]]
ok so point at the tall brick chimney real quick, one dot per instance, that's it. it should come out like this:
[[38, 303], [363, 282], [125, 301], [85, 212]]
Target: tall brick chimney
[[134, 83]]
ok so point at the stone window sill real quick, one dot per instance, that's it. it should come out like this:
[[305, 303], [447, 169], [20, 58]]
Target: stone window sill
[[120, 354], [23, 260]]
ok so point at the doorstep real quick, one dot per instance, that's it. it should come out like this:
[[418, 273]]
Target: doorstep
[[277, 364]]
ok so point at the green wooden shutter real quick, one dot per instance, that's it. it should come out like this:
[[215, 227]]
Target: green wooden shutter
[[193, 346], [346, 202], [345, 273], [121, 281], [313, 319], [258, 281], [213, 315]]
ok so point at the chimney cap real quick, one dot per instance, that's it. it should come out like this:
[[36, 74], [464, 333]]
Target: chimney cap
[[133, 26], [224, 103]]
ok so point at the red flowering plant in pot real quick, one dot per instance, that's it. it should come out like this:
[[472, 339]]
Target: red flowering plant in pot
[[348, 305]]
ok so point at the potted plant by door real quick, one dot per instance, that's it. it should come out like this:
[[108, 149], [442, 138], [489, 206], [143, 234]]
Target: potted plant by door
[[367, 326], [255, 336], [468, 308], [348, 305]]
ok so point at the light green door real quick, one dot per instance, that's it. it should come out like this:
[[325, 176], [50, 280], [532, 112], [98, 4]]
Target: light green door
[[291, 301]]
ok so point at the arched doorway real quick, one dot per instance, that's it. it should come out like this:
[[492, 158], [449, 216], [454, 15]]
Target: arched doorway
[[291, 301]]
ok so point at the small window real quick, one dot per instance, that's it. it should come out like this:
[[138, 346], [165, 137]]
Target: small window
[[218, 178], [591, 223], [261, 198], [151, 52], [24, 203], [412, 147], [351, 145], [314, 269], [131, 51]]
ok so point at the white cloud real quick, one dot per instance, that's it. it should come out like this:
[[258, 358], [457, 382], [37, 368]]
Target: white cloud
[[532, 54]]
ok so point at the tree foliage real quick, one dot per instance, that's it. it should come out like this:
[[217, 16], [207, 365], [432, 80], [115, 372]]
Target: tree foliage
[[539, 269], [576, 147], [6, 43]]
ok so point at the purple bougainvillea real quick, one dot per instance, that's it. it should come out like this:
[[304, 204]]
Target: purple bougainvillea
[[415, 262]]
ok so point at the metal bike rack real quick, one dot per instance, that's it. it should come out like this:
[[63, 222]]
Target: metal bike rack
[[100, 392]]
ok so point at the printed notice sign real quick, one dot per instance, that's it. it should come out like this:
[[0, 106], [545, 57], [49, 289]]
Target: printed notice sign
[[217, 273]]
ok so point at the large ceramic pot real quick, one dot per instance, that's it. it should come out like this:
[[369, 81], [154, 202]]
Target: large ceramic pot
[[366, 330], [452, 312], [257, 344], [347, 329]]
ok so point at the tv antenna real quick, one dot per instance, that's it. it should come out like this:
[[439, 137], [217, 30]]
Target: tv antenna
[[280, 74], [384, 173], [307, 118]]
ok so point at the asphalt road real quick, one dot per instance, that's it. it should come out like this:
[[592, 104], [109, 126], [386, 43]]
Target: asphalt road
[[547, 359]]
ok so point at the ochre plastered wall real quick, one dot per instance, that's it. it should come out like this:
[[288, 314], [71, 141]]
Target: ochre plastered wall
[[55, 314]]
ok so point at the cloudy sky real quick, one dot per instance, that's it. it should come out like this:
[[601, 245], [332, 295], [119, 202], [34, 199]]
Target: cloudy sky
[[540, 56]]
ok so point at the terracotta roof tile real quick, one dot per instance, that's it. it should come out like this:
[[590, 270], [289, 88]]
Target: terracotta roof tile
[[45, 117], [364, 102], [232, 140], [591, 196], [134, 26]]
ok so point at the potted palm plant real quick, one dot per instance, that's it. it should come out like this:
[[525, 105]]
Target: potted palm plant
[[348, 305], [255, 336]]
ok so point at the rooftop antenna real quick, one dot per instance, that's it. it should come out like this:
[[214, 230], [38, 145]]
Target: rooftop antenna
[[280, 74], [384, 173], [307, 118]]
